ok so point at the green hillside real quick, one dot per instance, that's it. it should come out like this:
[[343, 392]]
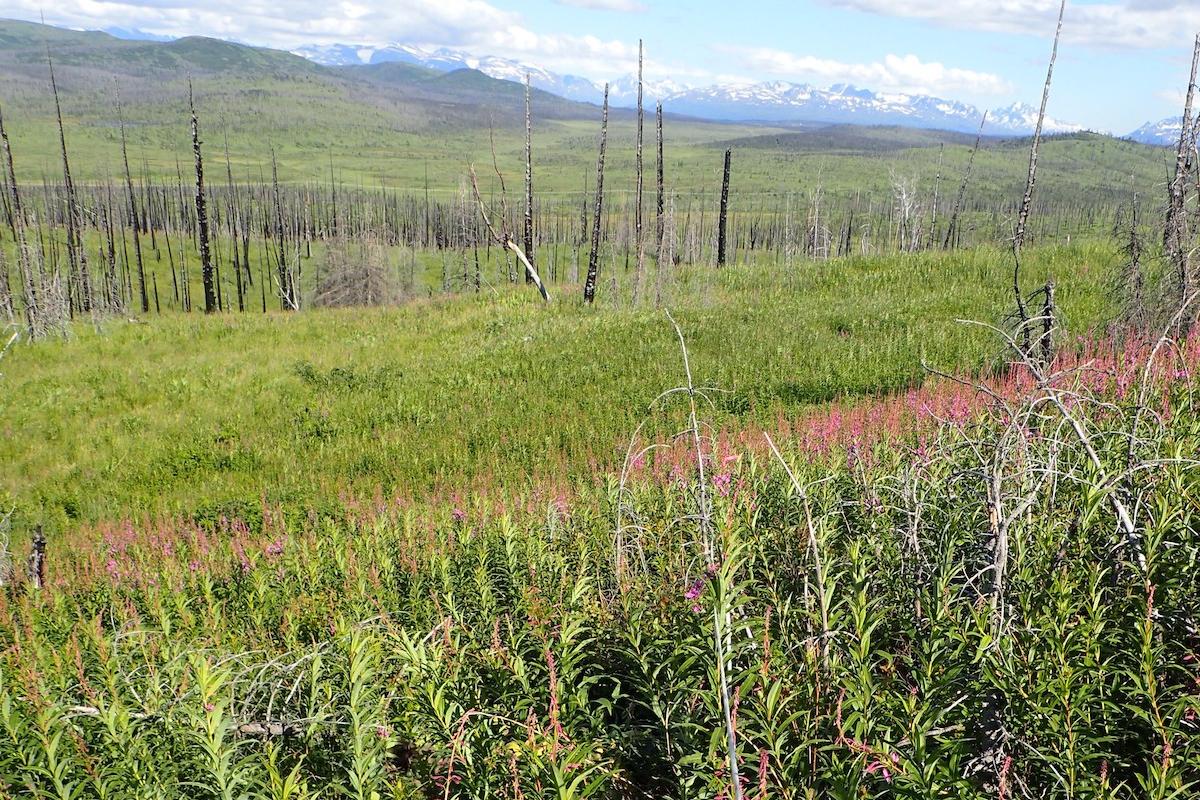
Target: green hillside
[[394, 124]]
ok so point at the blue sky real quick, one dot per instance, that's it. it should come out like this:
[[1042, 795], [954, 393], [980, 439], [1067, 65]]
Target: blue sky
[[1122, 62]]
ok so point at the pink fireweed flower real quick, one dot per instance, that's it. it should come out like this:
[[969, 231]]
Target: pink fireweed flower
[[694, 590], [458, 514], [722, 483], [382, 731], [275, 548], [697, 608], [209, 707]]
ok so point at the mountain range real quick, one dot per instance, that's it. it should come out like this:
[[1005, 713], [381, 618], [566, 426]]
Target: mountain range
[[1164, 133], [775, 102], [778, 102]]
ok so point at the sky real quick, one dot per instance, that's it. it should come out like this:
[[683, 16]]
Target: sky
[[1122, 62]]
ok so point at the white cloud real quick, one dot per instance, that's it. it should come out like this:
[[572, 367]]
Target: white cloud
[[1128, 24], [896, 73], [472, 25], [624, 6]]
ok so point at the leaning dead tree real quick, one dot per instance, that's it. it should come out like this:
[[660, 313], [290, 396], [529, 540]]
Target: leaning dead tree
[[1018, 242], [1175, 232], [952, 230], [134, 222], [31, 304], [78, 276], [503, 236], [593, 273], [206, 267]]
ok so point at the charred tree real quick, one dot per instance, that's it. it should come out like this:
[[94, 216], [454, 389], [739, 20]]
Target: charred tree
[[660, 209], [593, 273], [79, 277], [640, 267], [24, 265], [1175, 234], [528, 179], [133, 214], [723, 220], [206, 267], [1027, 199], [952, 229]]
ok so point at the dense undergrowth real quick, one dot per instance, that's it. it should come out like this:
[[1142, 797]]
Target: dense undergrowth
[[950, 604]]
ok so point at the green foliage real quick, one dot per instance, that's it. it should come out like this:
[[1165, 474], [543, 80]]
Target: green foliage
[[499, 652]]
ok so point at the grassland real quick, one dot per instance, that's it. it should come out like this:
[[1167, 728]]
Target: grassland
[[179, 414]]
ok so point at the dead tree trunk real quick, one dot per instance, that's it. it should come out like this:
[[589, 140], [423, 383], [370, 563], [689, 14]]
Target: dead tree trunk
[[528, 179], [286, 301], [723, 221], [235, 227], [1048, 311], [952, 230], [24, 265], [1175, 231], [589, 286], [637, 200], [37, 560], [1027, 198], [659, 222], [76, 257], [206, 267], [133, 214]]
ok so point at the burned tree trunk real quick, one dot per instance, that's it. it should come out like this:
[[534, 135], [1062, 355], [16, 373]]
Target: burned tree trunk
[[637, 200], [589, 286], [286, 299], [1048, 311], [723, 220], [1175, 231], [1027, 198], [206, 267], [37, 560], [24, 266], [76, 258], [133, 215], [660, 209], [952, 230], [528, 180], [235, 227]]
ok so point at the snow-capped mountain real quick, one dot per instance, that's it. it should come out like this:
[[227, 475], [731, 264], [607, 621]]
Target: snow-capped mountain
[[780, 101], [1022, 118], [1164, 133], [771, 101]]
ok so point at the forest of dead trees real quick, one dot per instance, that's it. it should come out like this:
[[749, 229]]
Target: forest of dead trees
[[73, 249]]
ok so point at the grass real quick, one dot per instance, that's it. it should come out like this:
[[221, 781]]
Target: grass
[[182, 414]]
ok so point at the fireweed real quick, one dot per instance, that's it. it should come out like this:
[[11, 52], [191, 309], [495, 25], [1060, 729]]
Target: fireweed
[[488, 646]]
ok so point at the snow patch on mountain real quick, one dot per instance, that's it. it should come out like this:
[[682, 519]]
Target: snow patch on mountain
[[1164, 133], [768, 101]]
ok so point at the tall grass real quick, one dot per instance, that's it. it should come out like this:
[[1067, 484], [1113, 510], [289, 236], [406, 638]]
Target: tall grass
[[215, 418]]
